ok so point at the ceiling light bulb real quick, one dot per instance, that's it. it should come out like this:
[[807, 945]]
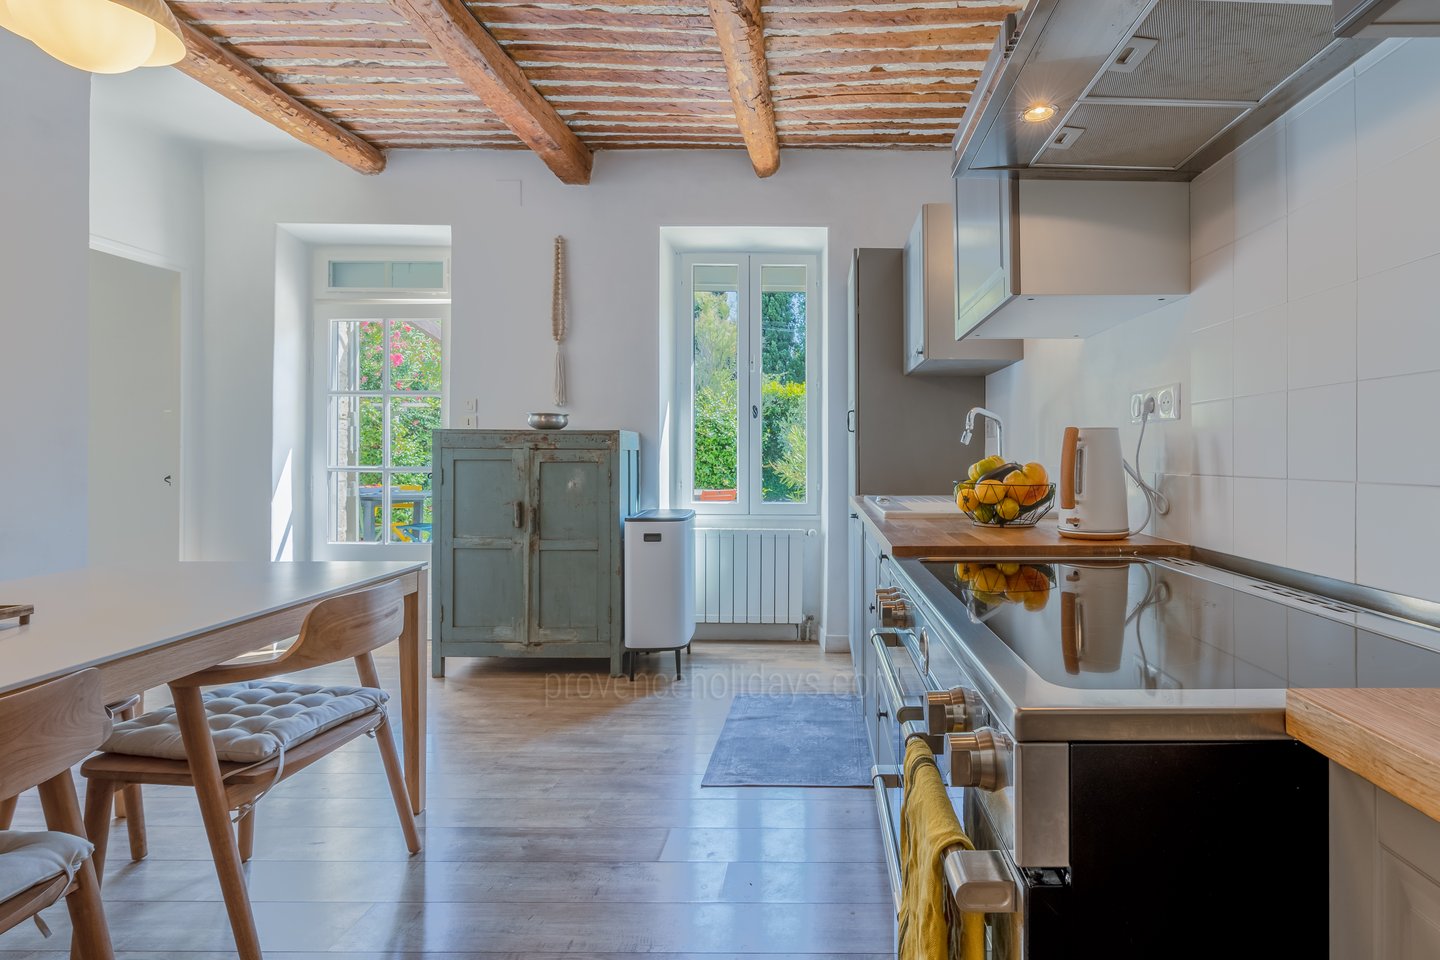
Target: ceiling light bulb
[[1038, 112], [98, 36]]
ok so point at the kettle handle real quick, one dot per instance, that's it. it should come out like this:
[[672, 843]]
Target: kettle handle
[[1070, 636], [1068, 448]]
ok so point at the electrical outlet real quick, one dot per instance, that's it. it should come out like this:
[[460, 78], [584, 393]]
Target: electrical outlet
[[1163, 403], [472, 406]]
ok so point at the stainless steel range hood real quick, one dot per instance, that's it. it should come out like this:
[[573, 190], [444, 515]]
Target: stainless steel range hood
[[1144, 89]]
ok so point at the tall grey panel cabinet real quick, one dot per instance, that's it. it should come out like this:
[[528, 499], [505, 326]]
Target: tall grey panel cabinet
[[527, 540]]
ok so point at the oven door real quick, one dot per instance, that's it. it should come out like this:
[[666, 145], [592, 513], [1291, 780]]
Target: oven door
[[983, 880]]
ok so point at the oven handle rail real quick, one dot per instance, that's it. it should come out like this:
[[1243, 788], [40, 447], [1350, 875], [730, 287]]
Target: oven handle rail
[[882, 641], [980, 881]]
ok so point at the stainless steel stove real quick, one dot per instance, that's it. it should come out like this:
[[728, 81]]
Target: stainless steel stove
[[1113, 732]]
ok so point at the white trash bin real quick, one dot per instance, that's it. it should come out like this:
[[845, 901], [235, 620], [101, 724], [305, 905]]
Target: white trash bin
[[659, 583]]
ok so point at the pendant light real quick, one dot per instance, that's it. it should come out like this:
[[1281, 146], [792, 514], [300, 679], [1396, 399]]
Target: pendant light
[[98, 36]]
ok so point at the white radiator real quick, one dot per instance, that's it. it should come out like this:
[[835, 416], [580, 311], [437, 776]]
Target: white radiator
[[749, 576]]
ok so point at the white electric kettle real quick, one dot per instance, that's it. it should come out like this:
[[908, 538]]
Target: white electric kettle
[[1092, 485]]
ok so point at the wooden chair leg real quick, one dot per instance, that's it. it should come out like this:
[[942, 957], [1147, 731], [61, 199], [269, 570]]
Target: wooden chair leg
[[245, 835], [215, 811], [7, 812], [87, 913], [134, 804], [98, 796], [390, 757]]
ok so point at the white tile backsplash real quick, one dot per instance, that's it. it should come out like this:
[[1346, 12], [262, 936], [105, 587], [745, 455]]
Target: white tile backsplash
[[1212, 438], [1260, 365], [1399, 217], [1212, 363], [1310, 340], [1212, 513], [1260, 445], [1320, 531], [1399, 321], [1212, 209], [1259, 507], [1322, 242], [1320, 338], [1260, 269], [1320, 148], [1391, 449], [1397, 104], [1260, 181], [1322, 433], [1396, 529], [1212, 288]]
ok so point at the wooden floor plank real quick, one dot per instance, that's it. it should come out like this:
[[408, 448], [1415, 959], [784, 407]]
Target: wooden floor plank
[[566, 821]]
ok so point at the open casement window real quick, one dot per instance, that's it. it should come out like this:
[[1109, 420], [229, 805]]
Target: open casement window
[[380, 376], [747, 382]]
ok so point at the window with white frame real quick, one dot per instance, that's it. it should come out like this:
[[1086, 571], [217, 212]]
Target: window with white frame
[[380, 367], [747, 371]]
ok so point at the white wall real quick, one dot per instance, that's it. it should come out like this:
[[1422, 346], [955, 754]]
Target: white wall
[[1309, 348], [147, 203], [505, 209], [44, 113]]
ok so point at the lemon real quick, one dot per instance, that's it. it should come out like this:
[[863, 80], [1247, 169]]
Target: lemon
[[990, 580], [1007, 509], [1009, 569], [990, 491], [991, 462]]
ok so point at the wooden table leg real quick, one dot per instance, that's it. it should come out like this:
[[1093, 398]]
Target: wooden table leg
[[413, 691], [215, 811]]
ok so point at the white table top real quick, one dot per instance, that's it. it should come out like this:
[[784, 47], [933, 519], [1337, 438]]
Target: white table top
[[93, 615]]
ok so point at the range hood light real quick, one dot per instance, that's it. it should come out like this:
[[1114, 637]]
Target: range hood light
[[1038, 112]]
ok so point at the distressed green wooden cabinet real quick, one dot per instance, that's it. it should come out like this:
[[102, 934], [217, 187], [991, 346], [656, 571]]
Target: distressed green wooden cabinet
[[526, 543]]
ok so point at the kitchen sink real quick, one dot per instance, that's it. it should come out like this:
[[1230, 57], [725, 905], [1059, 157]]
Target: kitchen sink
[[915, 508]]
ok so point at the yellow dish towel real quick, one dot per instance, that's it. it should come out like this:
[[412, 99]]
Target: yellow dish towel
[[929, 827]]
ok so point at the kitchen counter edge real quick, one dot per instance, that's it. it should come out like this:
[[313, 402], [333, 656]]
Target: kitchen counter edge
[[960, 539], [1390, 737]]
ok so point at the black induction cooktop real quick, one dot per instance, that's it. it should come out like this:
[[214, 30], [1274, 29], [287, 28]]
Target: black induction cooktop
[[1163, 625]]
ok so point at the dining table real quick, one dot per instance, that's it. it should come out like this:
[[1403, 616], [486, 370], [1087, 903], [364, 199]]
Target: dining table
[[144, 625]]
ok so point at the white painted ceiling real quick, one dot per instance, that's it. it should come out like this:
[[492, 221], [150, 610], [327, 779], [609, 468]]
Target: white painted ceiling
[[167, 101]]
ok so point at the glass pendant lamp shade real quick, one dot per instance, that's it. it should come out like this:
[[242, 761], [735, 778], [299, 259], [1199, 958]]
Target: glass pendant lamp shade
[[99, 36]]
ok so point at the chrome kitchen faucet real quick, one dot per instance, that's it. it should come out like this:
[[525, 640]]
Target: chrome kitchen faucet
[[999, 428]]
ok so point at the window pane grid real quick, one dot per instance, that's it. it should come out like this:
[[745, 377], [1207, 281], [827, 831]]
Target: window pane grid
[[384, 399]]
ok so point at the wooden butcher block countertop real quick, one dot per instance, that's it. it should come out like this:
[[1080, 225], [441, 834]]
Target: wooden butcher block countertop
[[1389, 737], [961, 539]]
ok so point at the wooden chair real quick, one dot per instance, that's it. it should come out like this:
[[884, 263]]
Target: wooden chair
[[48, 729], [129, 805], [346, 627]]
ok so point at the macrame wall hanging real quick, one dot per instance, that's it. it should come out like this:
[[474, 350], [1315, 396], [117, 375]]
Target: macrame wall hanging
[[557, 321]]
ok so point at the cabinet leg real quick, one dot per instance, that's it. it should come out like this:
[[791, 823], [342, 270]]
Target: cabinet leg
[[617, 663], [437, 662]]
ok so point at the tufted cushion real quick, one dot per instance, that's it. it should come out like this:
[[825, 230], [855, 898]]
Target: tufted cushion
[[250, 722], [30, 858]]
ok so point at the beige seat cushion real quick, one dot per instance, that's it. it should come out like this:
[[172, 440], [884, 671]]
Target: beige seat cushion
[[28, 858], [249, 722]]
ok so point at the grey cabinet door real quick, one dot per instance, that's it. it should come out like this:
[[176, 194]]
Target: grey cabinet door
[[573, 526], [483, 540]]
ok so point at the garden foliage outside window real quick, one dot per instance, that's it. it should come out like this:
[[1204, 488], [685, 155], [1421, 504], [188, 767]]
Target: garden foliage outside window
[[748, 385]]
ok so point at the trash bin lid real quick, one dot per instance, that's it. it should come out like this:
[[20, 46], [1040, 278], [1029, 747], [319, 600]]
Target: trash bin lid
[[662, 516]]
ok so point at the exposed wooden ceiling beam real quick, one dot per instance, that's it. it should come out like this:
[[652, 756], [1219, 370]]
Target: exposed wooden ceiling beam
[[453, 32], [741, 28], [234, 79]]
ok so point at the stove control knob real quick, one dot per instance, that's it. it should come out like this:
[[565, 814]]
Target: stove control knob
[[980, 759], [953, 711], [895, 614]]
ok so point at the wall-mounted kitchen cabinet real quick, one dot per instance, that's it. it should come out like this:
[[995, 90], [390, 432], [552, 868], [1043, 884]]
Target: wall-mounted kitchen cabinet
[[930, 343], [1055, 259], [527, 537]]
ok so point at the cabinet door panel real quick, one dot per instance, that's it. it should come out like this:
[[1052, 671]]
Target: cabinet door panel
[[483, 534], [572, 540], [1409, 921]]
